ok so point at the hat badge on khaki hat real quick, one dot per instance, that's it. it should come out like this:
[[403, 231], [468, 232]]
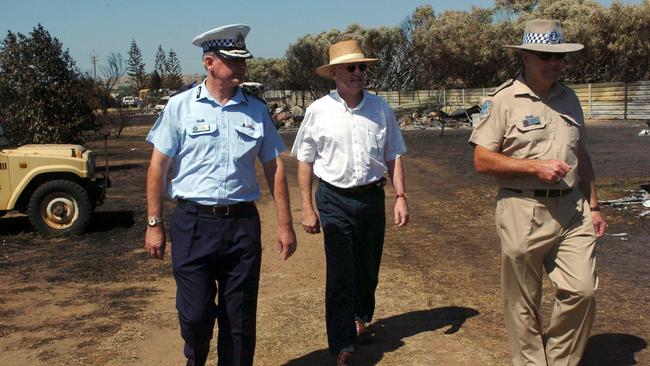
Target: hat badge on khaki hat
[[344, 52], [228, 41], [545, 36]]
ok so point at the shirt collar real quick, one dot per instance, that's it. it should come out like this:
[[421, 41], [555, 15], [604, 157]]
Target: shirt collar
[[202, 93], [337, 97], [521, 88]]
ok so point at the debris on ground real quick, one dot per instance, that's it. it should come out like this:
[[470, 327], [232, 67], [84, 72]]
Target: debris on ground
[[286, 117], [438, 119], [642, 196]]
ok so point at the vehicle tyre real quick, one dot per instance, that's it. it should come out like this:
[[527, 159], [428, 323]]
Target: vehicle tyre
[[60, 207]]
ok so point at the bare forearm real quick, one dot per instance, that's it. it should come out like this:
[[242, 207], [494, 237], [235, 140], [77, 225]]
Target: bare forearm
[[396, 173], [305, 174], [277, 182], [156, 183], [587, 179], [501, 166], [549, 171]]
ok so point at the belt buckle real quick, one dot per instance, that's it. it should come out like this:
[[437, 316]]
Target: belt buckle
[[548, 193], [216, 208]]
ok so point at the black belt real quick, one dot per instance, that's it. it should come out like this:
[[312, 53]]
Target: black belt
[[548, 193], [358, 189], [224, 210]]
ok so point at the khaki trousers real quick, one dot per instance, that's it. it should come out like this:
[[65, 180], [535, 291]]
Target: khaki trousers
[[555, 234]]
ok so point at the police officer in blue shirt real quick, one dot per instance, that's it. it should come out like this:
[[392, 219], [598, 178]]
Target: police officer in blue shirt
[[212, 134]]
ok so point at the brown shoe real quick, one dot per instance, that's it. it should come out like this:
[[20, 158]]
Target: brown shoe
[[363, 333], [344, 359]]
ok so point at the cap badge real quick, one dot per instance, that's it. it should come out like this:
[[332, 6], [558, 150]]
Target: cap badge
[[239, 41], [554, 37]]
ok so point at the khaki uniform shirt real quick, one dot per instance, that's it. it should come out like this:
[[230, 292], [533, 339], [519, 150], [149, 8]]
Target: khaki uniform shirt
[[517, 123]]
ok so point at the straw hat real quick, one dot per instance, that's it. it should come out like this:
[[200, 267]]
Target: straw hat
[[545, 36], [345, 52]]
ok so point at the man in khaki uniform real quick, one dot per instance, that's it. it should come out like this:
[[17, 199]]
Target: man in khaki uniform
[[531, 138]]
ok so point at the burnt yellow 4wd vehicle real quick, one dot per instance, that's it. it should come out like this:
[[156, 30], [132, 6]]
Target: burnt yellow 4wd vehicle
[[55, 185]]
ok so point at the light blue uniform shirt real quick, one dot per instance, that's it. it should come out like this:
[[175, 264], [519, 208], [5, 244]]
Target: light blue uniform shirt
[[214, 147]]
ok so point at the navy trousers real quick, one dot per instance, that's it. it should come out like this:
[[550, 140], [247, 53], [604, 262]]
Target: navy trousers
[[353, 227], [217, 257]]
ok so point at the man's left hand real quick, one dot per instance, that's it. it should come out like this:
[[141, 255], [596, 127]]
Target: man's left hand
[[401, 212], [599, 223], [286, 241]]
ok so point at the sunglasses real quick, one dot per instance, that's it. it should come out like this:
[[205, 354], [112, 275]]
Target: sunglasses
[[352, 67], [545, 56]]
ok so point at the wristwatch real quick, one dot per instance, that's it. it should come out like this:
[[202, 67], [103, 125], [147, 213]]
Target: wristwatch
[[154, 221]]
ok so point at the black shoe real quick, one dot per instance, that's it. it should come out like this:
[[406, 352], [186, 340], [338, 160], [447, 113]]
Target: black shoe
[[344, 359]]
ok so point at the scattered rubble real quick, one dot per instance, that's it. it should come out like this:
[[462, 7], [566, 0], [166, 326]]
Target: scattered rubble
[[438, 119], [286, 117], [636, 197]]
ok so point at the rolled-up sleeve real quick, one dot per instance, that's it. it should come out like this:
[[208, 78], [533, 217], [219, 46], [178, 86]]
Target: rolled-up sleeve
[[395, 146], [164, 134], [304, 147]]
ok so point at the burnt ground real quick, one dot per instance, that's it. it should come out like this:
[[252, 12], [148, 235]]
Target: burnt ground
[[96, 299]]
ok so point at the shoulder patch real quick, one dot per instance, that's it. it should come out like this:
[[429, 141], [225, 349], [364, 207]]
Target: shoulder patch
[[485, 109], [501, 87]]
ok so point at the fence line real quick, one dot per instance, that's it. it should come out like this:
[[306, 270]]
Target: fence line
[[618, 100]]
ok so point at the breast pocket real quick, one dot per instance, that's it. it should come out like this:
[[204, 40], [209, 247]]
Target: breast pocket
[[377, 143], [247, 140], [572, 128], [532, 133], [200, 139]]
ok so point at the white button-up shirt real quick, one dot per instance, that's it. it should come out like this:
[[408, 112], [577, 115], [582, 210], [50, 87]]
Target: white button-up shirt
[[349, 147]]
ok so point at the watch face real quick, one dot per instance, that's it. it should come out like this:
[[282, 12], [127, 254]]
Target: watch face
[[153, 221]]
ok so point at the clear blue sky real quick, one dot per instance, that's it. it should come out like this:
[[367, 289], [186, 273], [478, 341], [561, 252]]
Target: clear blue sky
[[101, 27]]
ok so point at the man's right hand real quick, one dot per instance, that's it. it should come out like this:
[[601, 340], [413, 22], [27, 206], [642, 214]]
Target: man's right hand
[[551, 171], [310, 221], [155, 241]]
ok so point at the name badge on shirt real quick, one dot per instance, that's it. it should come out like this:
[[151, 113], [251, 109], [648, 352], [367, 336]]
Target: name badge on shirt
[[201, 128], [531, 121]]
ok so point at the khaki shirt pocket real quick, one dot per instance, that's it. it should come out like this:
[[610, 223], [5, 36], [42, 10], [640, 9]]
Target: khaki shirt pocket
[[572, 127], [532, 137]]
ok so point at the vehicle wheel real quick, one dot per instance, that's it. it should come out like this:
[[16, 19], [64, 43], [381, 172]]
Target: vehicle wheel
[[60, 207]]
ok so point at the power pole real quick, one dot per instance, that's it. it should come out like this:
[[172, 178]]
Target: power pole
[[93, 59]]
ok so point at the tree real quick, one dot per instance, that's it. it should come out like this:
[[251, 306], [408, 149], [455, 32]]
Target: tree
[[43, 97], [304, 57], [114, 69], [135, 67], [269, 72], [155, 82], [159, 63], [173, 72]]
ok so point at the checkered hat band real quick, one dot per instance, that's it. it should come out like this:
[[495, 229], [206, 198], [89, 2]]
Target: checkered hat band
[[543, 38], [218, 43]]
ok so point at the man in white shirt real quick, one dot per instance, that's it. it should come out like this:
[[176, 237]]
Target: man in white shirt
[[349, 139]]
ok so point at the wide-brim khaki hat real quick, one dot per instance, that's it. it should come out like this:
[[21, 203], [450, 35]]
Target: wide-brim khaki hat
[[345, 52], [545, 36]]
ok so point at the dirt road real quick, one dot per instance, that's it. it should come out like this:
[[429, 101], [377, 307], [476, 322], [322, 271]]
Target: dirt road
[[97, 300]]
